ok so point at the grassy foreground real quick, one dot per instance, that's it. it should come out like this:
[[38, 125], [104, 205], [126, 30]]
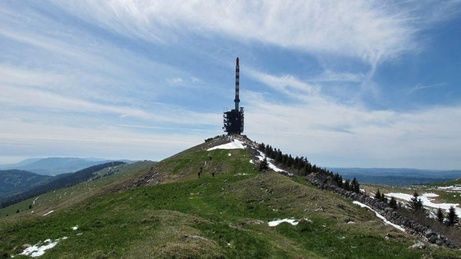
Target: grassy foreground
[[221, 216]]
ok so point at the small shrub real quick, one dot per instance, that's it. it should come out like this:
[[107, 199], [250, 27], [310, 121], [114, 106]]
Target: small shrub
[[305, 226]]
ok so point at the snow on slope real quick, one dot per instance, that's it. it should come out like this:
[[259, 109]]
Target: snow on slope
[[40, 248], [426, 199], [269, 162], [387, 222], [430, 195], [48, 213], [235, 144], [451, 188], [291, 221], [276, 222]]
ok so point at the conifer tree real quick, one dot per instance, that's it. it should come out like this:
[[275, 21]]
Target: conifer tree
[[355, 186], [347, 185], [378, 195], [416, 203], [284, 159], [452, 218], [383, 198], [263, 165], [262, 147], [440, 215], [393, 203], [340, 181], [306, 171], [278, 156]]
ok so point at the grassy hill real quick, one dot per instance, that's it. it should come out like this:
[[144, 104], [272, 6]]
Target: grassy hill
[[61, 181], [53, 165], [103, 181], [166, 210]]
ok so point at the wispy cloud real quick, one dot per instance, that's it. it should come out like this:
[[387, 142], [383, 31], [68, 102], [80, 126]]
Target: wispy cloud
[[420, 87], [144, 79], [38, 99], [113, 142], [332, 76], [368, 30], [360, 137], [287, 84]]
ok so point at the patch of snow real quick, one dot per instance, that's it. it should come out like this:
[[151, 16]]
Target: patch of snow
[[40, 248], [33, 202], [432, 215], [451, 188], [251, 162], [235, 144], [48, 213], [75, 227], [79, 234], [269, 162], [241, 174], [275, 168], [293, 222], [430, 195], [427, 202], [229, 154], [276, 222], [387, 222]]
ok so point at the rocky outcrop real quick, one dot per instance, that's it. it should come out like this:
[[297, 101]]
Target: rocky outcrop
[[385, 210]]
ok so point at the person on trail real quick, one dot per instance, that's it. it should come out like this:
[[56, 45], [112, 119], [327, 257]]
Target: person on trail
[[200, 171]]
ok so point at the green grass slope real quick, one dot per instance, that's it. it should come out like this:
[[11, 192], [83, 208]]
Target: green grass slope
[[177, 214], [105, 180]]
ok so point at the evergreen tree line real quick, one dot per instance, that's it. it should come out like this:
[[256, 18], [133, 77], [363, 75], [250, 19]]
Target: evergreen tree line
[[303, 167], [450, 219], [392, 201], [416, 205]]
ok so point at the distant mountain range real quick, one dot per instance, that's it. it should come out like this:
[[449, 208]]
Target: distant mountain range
[[53, 165], [397, 176]]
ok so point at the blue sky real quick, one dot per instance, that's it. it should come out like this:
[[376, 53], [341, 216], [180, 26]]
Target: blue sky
[[345, 83]]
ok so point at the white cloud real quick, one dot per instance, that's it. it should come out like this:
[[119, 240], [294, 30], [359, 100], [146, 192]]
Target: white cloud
[[17, 97], [420, 87], [332, 76], [353, 135], [24, 138], [110, 83], [369, 30], [286, 84], [13, 75], [175, 81]]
